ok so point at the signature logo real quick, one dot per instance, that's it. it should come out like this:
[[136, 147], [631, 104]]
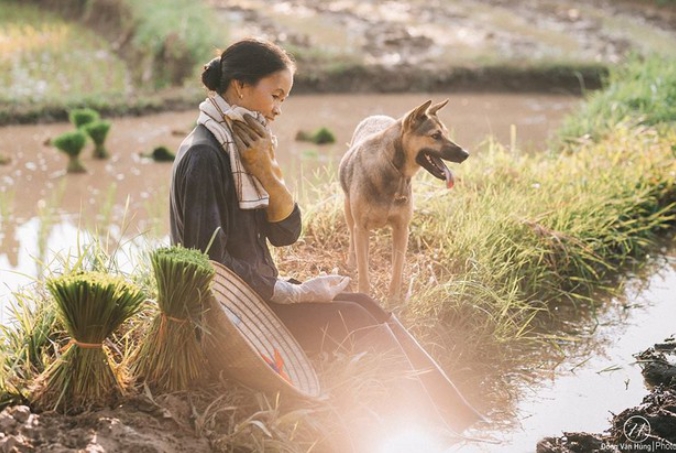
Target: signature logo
[[636, 429]]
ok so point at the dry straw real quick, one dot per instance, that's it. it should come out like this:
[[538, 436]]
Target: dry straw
[[91, 305], [170, 358]]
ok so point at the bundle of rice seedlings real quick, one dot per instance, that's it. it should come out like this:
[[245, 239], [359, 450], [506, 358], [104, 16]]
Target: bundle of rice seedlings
[[82, 117], [160, 154], [91, 306], [98, 131], [321, 136], [71, 143], [170, 357]]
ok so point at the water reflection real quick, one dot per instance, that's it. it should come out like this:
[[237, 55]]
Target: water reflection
[[599, 377]]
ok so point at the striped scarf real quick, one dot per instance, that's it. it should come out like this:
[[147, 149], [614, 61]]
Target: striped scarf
[[217, 115]]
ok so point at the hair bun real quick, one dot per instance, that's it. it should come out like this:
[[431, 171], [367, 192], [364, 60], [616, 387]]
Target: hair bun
[[211, 76]]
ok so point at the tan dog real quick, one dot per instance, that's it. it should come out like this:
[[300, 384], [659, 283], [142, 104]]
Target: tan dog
[[376, 173]]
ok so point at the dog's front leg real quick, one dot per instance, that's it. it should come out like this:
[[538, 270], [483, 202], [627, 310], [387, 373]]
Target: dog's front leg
[[399, 246], [361, 248]]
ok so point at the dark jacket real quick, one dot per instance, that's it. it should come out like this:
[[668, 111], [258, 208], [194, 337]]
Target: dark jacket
[[203, 198]]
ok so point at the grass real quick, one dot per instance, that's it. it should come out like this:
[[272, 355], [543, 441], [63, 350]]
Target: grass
[[642, 91], [170, 357], [50, 64], [179, 35], [519, 233], [47, 60], [91, 305]]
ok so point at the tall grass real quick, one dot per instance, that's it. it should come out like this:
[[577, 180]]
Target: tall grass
[[47, 60], [178, 35], [643, 91], [49, 64]]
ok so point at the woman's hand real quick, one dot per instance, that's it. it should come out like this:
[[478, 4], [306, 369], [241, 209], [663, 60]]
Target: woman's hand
[[256, 146], [319, 289], [257, 151]]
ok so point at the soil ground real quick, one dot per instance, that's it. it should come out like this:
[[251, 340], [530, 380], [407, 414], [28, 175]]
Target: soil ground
[[396, 56]]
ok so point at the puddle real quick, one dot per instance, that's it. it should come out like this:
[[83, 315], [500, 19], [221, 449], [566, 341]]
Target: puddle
[[599, 379]]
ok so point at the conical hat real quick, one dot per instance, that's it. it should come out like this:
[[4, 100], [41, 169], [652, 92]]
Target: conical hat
[[246, 341]]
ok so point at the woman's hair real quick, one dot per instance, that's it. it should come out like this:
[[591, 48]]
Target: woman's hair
[[246, 61]]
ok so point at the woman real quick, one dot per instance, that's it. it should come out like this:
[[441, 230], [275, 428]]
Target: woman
[[228, 198]]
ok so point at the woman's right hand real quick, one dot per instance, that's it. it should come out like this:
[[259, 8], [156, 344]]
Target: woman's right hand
[[318, 289], [256, 147]]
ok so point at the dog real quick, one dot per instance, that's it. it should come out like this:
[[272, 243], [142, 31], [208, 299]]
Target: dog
[[375, 175]]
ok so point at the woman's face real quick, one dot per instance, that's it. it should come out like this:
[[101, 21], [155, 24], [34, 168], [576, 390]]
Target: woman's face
[[268, 94]]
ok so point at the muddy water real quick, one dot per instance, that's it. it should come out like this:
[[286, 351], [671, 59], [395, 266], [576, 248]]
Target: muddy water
[[44, 211], [598, 378]]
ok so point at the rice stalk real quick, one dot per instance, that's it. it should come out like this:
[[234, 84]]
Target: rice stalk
[[170, 357], [91, 306]]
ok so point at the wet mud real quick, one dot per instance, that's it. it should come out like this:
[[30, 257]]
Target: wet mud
[[650, 426]]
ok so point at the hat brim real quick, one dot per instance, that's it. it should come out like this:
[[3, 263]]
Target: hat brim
[[247, 342]]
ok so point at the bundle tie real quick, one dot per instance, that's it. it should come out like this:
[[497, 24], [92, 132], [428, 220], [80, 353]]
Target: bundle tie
[[163, 323], [171, 318], [84, 345]]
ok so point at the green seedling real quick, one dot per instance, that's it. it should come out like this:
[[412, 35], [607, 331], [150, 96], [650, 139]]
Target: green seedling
[[71, 143]]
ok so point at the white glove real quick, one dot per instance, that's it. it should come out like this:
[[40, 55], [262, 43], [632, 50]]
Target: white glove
[[319, 289]]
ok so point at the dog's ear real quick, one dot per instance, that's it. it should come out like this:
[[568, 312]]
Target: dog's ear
[[435, 108], [416, 114]]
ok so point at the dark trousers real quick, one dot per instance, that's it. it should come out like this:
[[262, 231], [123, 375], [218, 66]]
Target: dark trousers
[[357, 323], [324, 327]]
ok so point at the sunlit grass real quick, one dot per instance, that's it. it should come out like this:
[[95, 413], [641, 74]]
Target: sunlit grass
[[642, 91], [518, 234], [45, 59], [178, 35]]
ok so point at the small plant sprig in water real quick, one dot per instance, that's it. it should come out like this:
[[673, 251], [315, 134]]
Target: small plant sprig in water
[[160, 154], [321, 136], [170, 357], [71, 143], [98, 131], [92, 305], [83, 117]]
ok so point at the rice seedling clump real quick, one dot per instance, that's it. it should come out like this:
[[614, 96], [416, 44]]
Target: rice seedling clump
[[91, 305], [170, 357]]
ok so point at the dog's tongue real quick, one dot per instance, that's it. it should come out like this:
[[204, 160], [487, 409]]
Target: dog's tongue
[[450, 179]]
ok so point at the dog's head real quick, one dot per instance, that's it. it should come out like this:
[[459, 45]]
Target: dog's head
[[428, 142]]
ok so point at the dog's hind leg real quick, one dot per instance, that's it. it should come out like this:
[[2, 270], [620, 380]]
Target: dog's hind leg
[[399, 246], [351, 259], [361, 248]]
